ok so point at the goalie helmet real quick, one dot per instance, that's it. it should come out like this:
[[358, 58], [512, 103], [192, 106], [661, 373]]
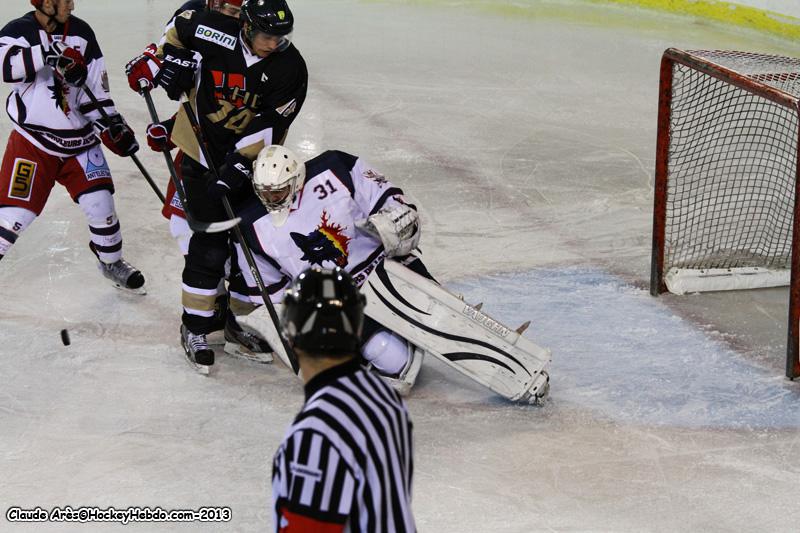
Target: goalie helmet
[[324, 312], [277, 176]]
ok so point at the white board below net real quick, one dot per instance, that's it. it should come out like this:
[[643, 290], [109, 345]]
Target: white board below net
[[683, 280]]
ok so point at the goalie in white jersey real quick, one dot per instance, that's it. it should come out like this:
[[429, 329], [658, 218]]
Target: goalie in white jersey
[[48, 57], [334, 210]]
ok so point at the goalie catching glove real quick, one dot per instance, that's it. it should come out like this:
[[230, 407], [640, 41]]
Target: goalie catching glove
[[116, 135], [397, 227], [67, 62]]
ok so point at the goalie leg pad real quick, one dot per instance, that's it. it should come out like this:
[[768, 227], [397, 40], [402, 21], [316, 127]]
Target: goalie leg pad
[[465, 338]]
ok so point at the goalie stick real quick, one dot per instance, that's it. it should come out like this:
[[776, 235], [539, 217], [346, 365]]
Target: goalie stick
[[251, 263], [194, 224]]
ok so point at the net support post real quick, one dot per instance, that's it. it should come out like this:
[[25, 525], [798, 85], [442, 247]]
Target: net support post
[[793, 330], [657, 285]]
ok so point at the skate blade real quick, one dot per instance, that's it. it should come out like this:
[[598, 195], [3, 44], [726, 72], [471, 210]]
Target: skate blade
[[141, 290], [235, 350]]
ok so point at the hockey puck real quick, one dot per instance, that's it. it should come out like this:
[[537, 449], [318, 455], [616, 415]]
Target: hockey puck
[[65, 337]]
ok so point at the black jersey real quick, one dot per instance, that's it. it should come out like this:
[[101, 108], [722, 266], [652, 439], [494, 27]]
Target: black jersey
[[239, 96], [347, 458]]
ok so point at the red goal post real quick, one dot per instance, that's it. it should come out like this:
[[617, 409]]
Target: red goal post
[[725, 212]]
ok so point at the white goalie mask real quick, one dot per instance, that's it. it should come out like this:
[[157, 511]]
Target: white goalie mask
[[277, 175]]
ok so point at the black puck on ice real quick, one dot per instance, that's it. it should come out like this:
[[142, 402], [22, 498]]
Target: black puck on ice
[[65, 337]]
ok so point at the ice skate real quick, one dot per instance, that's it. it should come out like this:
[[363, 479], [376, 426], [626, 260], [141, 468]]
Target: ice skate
[[245, 345], [122, 274], [198, 354]]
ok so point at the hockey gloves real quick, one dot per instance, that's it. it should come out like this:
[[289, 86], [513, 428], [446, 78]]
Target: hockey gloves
[[234, 173], [67, 62], [177, 71], [158, 136], [397, 227], [117, 135], [142, 69]]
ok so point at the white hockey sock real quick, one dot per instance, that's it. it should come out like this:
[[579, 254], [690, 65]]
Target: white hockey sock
[[13, 221], [98, 206], [387, 352]]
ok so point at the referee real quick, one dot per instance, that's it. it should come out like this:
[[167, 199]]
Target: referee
[[346, 461]]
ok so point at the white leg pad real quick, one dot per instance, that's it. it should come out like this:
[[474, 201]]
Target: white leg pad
[[465, 338]]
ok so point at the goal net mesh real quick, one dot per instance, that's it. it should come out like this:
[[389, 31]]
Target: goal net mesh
[[732, 165]]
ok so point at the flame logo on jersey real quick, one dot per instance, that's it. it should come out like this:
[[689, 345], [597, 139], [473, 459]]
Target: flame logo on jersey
[[326, 243]]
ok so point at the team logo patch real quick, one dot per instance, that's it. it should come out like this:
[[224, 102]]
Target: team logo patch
[[215, 36], [326, 243], [94, 164], [288, 108], [22, 179], [370, 174]]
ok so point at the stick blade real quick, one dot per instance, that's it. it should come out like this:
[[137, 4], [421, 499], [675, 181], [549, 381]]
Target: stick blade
[[213, 227]]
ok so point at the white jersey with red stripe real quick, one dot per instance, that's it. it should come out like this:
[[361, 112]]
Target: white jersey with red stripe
[[340, 189], [52, 115]]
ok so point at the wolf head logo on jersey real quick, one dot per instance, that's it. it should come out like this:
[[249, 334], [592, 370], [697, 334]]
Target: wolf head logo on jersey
[[326, 243]]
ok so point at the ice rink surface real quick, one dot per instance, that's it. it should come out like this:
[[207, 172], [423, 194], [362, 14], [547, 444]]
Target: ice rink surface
[[527, 138]]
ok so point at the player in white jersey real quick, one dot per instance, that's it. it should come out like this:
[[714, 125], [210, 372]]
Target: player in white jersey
[[334, 210], [48, 56]]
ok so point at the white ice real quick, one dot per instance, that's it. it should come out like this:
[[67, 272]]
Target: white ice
[[526, 135]]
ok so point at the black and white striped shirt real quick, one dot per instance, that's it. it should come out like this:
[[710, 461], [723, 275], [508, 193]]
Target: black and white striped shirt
[[347, 458]]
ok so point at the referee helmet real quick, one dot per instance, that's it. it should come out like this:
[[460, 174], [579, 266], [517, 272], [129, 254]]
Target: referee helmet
[[324, 312]]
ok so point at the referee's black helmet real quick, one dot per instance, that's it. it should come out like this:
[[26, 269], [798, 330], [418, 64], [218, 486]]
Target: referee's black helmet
[[324, 312]]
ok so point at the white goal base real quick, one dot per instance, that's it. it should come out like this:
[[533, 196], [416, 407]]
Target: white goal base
[[683, 280]]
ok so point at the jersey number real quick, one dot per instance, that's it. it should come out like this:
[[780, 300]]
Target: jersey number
[[322, 193]]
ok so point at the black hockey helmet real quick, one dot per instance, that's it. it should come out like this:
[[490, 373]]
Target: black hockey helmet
[[324, 312], [272, 17]]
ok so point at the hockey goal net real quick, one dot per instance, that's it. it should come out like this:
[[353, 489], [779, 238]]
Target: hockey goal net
[[725, 212]]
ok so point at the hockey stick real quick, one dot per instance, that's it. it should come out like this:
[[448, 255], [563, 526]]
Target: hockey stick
[[248, 254], [138, 163], [194, 224]]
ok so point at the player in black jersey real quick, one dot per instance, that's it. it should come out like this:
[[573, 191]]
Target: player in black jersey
[[232, 296], [249, 88], [346, 462]]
